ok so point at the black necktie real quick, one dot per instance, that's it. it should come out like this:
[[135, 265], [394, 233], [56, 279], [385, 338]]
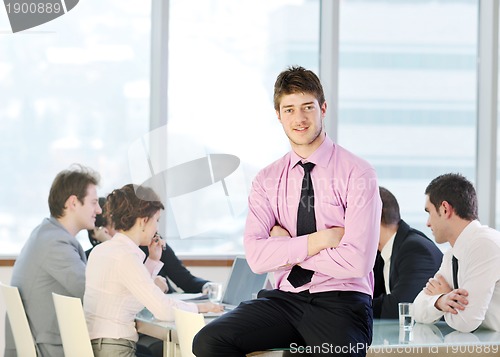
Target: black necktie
[[306, 223], [378, 276], [454, 262]]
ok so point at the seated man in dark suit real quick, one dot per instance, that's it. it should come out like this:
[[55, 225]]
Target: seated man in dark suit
[[405, 261]]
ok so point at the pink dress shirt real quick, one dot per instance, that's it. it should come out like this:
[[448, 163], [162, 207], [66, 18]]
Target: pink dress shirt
[[118, 286], [346, 195]]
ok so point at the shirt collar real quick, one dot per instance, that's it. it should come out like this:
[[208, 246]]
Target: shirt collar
[[387, 250], [120, 237], [460, 247], [320, 157]]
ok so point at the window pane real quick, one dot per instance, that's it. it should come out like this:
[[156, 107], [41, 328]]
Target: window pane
[[224, 56], [407, 92], [74, 90]]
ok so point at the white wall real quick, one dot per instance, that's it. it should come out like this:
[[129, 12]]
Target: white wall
[[219, 274]]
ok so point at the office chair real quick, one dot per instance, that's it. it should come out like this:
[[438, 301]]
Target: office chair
[[187, 325], [21, 331], [73, 327]]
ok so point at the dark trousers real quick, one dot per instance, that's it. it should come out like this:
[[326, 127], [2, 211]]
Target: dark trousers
[[327, 323]]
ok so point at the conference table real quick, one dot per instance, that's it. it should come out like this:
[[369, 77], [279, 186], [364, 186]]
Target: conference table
[[388, 340]]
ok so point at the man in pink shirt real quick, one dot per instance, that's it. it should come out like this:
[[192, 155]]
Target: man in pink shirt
[[313, 220]]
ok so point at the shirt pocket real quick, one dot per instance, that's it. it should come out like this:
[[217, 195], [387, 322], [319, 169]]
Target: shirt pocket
[[330, 214]]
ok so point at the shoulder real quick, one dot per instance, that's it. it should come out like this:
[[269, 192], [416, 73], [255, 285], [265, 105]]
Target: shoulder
[[417, 242], [51, 232], [277, 165], [274, 170], [415, 237], [485, 240], [120, 249], [43, 239], [349, 165], [350, 159]]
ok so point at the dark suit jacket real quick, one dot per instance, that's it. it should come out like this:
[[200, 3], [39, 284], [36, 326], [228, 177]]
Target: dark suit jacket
[[414, 259], [174, 270]]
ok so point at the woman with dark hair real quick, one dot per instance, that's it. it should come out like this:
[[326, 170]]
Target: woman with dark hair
[[173, 269], [118, 283]]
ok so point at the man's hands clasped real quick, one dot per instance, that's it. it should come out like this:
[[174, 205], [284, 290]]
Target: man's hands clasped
[[451, 300]]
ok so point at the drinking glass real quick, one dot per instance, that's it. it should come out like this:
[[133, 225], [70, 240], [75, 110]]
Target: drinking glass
[[215, 292], [406, 319]]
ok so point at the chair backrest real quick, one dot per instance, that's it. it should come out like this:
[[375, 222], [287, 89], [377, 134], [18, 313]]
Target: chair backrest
[[72, 326], [187, 325], [25, 346]]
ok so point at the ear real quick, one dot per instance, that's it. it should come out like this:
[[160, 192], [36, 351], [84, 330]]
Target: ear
[[278, 115], [71, 202], [323, 110], [446, 209]]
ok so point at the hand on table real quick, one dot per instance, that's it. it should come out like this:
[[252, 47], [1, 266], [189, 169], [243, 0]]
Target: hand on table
[[209, 307]]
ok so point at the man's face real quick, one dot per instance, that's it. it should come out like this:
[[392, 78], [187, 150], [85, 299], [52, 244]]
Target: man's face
[[436, 221], [87, 211], [302, 119]]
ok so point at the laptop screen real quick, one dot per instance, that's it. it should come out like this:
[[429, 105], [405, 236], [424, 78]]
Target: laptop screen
[[242, 283]]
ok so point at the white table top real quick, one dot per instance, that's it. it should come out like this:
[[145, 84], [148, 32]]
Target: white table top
[[386, 334]]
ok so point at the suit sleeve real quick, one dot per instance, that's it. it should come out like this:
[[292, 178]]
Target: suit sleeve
[[415, 263], [66, 266], [174, 270]]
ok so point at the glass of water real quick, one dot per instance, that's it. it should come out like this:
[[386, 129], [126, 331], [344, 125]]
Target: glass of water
[[214, 292], [406, 315]]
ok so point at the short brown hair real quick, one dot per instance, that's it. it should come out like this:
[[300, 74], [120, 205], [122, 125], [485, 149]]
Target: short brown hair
[[297, 79], [123, 206], [457, 191], [390, 207], [73, 181]]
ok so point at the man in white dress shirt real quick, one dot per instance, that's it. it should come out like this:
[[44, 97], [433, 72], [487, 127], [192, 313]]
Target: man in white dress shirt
[[465, 290]]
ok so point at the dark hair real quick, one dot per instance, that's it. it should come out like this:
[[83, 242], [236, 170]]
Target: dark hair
[[100, 221], [457, 191], [123, 206], [297, 79], [70, 182], [390, 207]]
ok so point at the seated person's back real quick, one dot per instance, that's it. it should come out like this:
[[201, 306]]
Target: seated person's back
[[405, 261]]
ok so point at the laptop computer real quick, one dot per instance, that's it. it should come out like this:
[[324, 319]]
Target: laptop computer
[[240, 286], [242, 283]]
